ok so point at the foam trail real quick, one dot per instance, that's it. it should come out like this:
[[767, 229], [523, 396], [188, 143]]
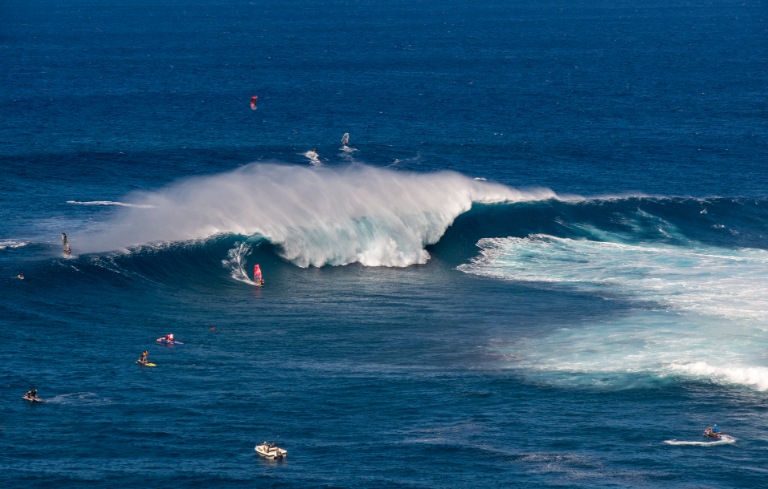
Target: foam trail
[[723, 441], [313, 158], [10, 243], [236, 261], [81, 398], [347, 153], [106, 203], [315, 216]]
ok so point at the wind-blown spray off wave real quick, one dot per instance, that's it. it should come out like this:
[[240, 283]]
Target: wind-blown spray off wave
[[314, 216]]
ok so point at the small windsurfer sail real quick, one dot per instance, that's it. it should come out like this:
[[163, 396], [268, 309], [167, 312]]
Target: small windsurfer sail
[[257, 275], [253, 102], [65, 242], [345, 139]]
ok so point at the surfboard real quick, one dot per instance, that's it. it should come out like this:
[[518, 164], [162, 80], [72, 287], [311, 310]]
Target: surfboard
[[146, 364], [32, 399]]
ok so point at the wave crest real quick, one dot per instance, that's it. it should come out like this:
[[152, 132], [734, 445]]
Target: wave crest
[[314, 216]]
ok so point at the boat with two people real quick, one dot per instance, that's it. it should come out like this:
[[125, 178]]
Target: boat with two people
[[32, 396]]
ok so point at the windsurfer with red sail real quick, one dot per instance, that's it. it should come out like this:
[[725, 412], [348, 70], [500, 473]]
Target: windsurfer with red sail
[[257, 275]]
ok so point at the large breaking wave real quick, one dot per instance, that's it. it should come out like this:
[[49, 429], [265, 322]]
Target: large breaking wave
[[314, 216], [691, 268]]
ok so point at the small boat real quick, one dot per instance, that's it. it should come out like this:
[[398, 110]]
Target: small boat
[[29, 398], [270, 451]]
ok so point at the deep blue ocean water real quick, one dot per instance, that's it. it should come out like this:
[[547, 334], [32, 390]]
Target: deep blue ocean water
[[541, 261]]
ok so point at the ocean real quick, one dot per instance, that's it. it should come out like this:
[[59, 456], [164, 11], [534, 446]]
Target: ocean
[[540, 262]]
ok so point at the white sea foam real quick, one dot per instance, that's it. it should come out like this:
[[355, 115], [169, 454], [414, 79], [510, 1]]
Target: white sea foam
[[701, 310], [81, 398], [754, 376], [107, 203], [315, 216], [11, 243], [236, 260], [313, 157], [702, 279], [722, 441]]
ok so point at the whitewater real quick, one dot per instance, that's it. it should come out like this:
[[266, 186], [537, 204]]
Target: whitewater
[[695, 310], [316, 216], [540, 265]]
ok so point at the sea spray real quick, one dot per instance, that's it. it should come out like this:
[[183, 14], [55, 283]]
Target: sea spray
[[314, 216]]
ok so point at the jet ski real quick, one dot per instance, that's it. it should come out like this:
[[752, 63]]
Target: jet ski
[[168, 340], [711, 433]]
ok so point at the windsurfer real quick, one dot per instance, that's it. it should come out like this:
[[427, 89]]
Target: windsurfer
[[65, 242], [257, 277]]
